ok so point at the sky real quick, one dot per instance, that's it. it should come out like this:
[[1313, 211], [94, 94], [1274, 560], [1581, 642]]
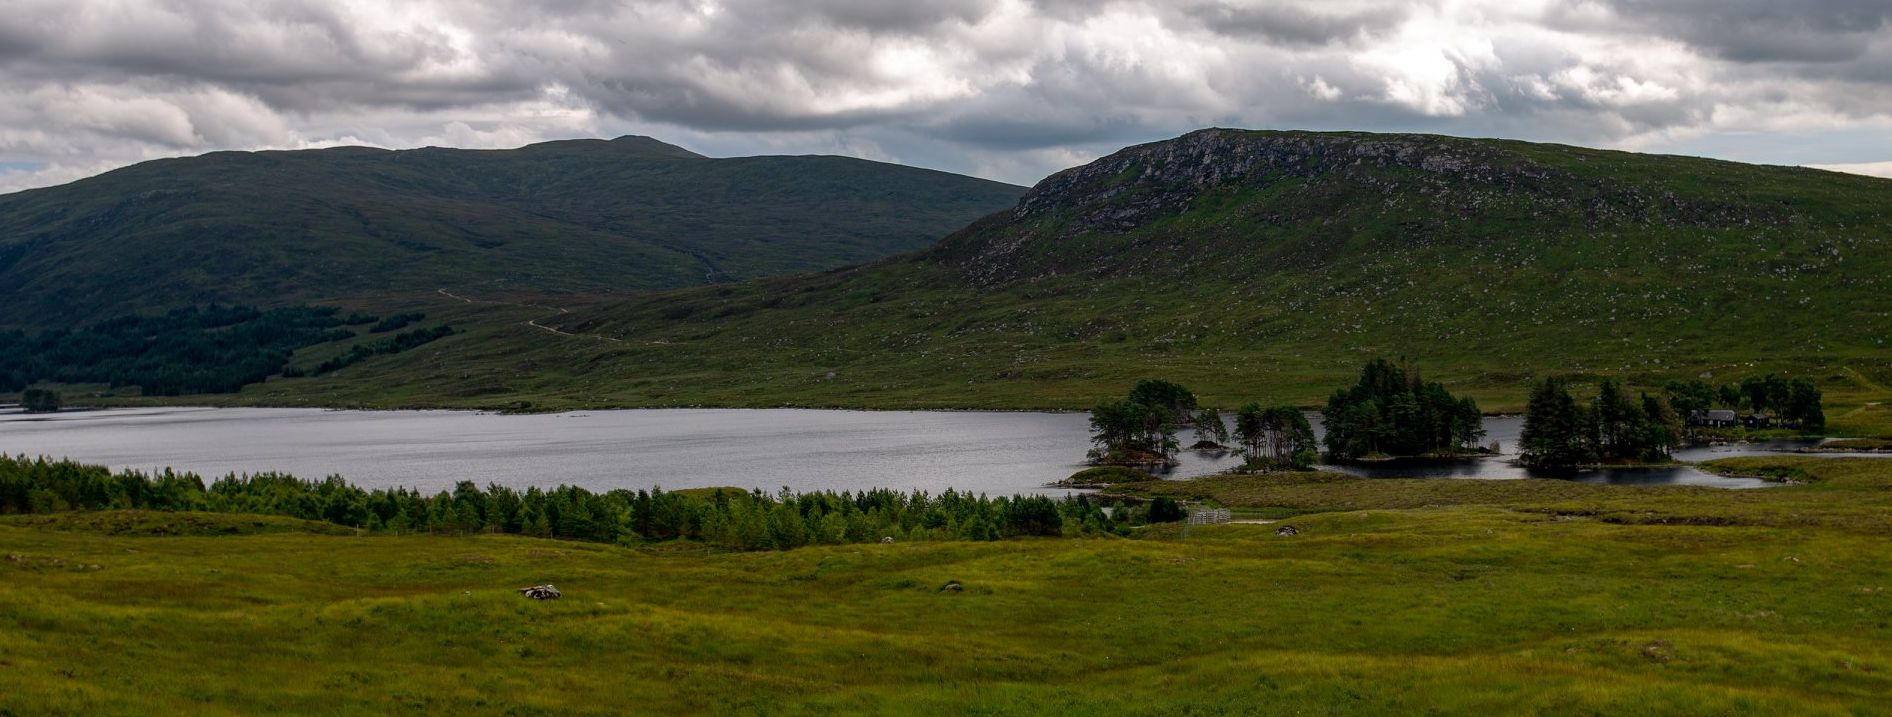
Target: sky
[[1010, 90]]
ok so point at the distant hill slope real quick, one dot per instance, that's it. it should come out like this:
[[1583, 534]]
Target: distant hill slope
[[1270, 265], [581, 215]]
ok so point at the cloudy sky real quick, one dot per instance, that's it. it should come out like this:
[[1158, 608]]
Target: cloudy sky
[[1006, 89]]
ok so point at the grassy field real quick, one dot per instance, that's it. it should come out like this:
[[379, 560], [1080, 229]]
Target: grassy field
[[1399, 597]]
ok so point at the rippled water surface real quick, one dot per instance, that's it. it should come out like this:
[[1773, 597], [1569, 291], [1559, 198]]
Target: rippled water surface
[[805, 450], [995, 453]]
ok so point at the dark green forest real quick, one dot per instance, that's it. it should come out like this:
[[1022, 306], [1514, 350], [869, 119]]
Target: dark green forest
[[212, 349]]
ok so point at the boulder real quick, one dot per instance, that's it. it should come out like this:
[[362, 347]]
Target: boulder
[[542, 592]]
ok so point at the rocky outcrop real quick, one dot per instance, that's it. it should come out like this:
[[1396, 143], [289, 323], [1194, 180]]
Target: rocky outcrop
[[1231, 192], [1141, 183]]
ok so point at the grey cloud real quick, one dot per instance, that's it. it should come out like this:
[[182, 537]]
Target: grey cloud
[[1765, 30], [959, 84], [294, 54], [872, 15], [1292, 25]]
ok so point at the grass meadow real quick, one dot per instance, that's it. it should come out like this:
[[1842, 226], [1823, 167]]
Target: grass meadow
[[1399, 597]]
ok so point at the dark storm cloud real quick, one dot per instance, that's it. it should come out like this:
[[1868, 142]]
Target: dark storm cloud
[[1009, 88], [1766, 30]]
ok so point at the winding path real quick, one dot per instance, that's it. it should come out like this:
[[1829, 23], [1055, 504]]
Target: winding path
[[534, 323]]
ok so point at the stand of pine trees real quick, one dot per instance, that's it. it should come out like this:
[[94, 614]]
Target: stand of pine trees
[[1392, 411], [1613, 428], [1275, 436], [1141, 428]]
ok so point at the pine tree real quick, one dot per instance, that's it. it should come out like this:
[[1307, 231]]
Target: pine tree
[[1210, 427], [1555, 428]]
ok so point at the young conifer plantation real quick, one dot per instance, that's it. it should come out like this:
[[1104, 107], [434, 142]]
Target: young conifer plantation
[[733, 519]]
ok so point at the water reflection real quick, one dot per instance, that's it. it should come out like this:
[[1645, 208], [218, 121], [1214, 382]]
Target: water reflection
[[1503, 468], [1504, 430], [994, 453]]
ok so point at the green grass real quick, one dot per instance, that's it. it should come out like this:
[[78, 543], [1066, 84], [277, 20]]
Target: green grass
[[1515, 597], [1105, 475], [1858, 444]]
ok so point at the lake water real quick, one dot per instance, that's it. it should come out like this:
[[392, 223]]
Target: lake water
[[993, 453], [1505, 429]]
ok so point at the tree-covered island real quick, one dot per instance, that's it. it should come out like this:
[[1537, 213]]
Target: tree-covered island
[[1392, 413]]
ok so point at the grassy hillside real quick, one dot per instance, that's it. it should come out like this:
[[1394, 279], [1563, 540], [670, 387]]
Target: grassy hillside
[[1555, 599], [571, 216], [1268, 265]]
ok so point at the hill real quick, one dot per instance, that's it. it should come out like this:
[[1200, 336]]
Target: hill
[[571, 216], [1259, 265]]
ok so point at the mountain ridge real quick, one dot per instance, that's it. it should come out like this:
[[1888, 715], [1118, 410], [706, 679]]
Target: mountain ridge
[[627, 214], [1490, 261], [1489, 264]]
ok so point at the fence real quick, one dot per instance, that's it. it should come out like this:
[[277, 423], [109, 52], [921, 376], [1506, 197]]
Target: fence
[[1208, 516]]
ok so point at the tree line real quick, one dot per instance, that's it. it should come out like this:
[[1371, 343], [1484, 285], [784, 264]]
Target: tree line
[[1796, 402], [1615, 427], [395, 322], [211, 349], [751, 520], [364, 351], [1391, 410]]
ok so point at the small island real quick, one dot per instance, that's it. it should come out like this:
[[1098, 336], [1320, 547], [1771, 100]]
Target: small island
[[1136, 435], [1139, 430], [40, 400], [1394, 413]]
